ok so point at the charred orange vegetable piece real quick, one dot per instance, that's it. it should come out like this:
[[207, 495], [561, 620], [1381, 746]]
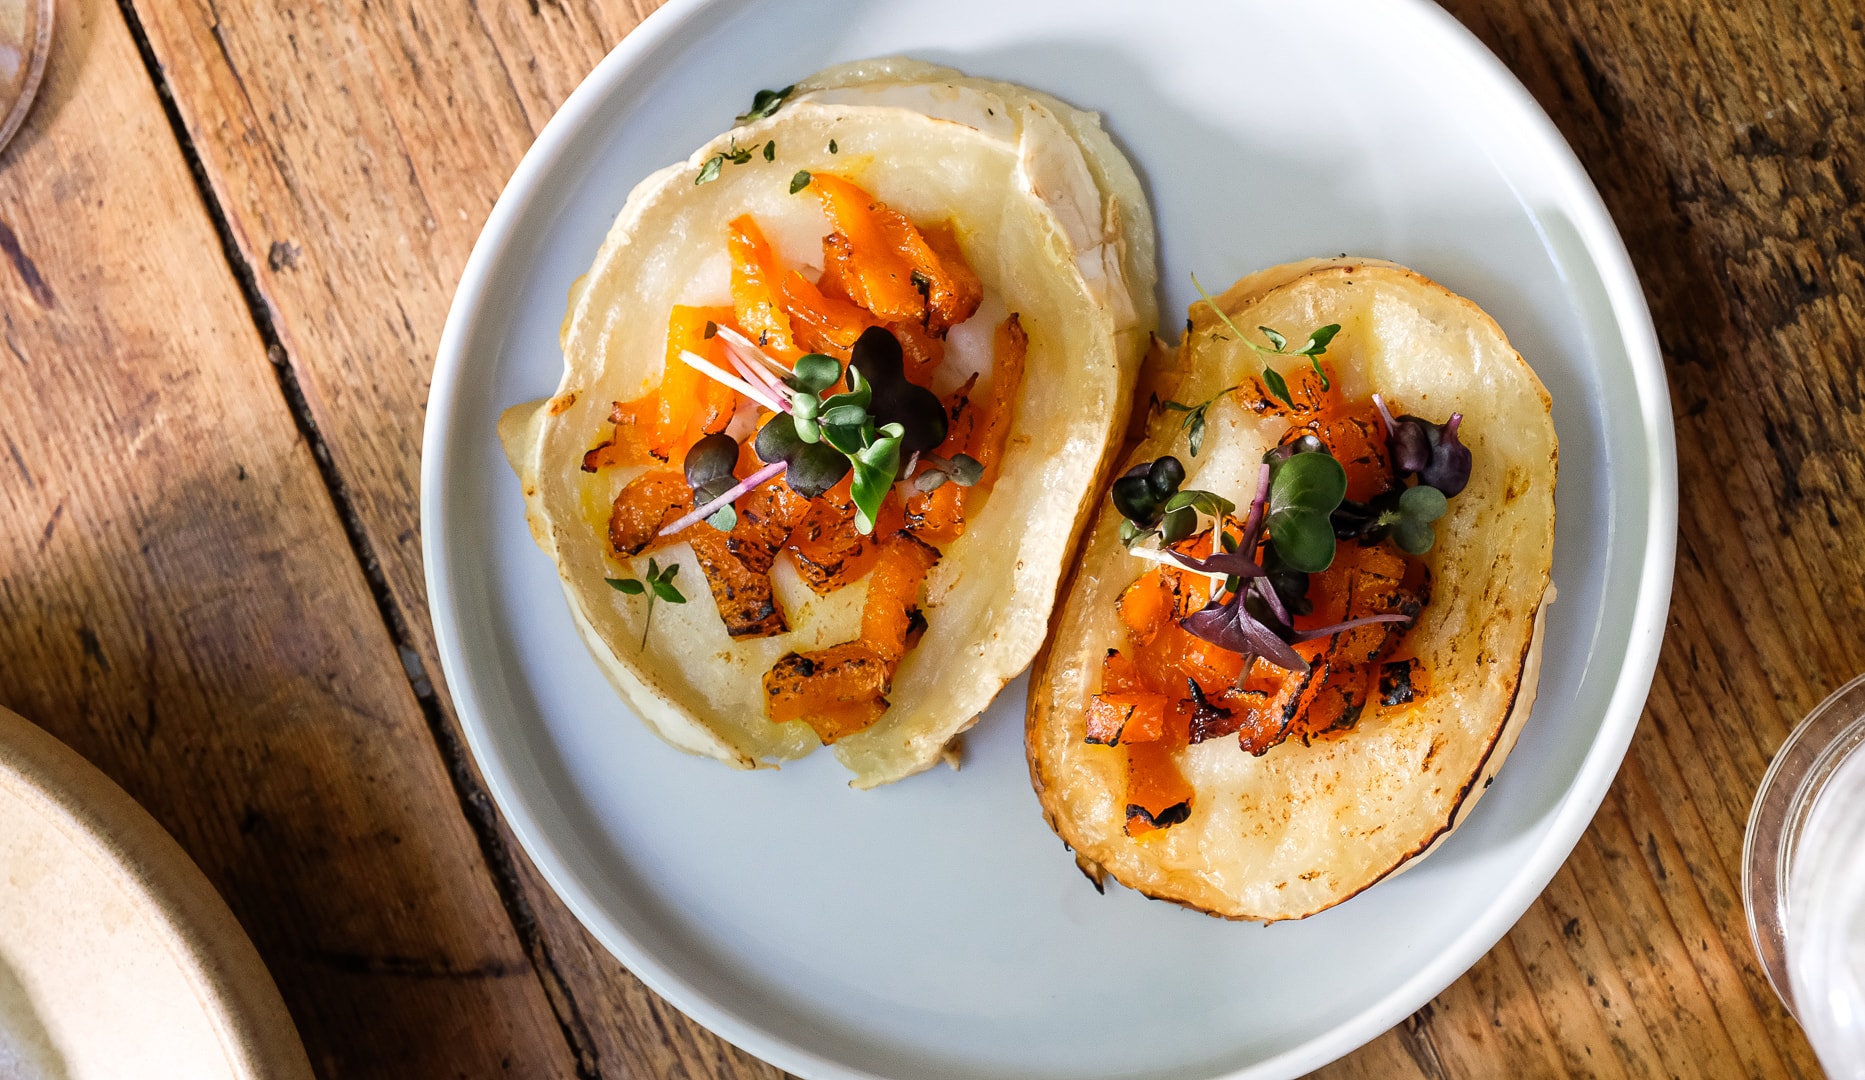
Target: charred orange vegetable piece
[[955, 292], [865, 265], [1012, 346], [892, 603], [938, 516], [837, 691], [687, 406], [1147, 605], [757, 290], [922, 350], [1158, 794], [842, 689], [1126, 718], [737, 564], [826, 324], [883, 262], [644, 507], [829, 553]]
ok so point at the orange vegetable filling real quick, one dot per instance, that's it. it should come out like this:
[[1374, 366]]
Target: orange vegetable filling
[[1202, 691], [880, 269], [687, 406]]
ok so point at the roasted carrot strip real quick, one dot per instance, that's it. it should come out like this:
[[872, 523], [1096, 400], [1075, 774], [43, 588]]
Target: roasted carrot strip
[[867, 264], [822, 323], [923, 350], [1147, 604], [757, 290], [828, 550], [887, 614], [1126, 718], [938, 516], [685, 407], [955, 292], [1011, 348]]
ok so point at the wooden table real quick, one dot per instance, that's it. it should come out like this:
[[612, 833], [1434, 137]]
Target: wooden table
[[231, 230]]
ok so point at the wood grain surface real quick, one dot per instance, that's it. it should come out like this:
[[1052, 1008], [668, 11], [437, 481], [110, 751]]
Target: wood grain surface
[[232, 230]]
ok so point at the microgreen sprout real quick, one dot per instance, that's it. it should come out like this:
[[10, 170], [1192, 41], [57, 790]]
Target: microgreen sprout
[[658, 586], [961, 469], [799, 181], [1304, 490], [708, 468], [879, 419]]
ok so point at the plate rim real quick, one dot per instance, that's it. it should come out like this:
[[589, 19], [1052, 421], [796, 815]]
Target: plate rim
[[1606, 253]]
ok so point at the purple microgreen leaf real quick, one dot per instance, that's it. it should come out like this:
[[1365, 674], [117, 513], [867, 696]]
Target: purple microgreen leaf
[[1228, 626], [1449, 469], [1336, 628]]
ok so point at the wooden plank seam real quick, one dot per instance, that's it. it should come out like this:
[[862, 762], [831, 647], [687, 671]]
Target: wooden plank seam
[[475, 803]]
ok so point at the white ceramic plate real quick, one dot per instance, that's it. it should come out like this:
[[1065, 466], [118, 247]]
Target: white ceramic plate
[[937, 928], [117, 958]]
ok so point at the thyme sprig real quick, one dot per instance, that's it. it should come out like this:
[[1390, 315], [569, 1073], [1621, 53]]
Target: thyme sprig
[[1316, 345], [658, 586]]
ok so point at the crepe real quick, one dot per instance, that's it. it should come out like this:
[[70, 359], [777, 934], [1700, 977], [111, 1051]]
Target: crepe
[[1303, 827], [1053, 221]]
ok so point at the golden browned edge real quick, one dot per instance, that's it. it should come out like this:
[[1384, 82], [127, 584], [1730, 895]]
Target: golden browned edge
[[1160, 374]]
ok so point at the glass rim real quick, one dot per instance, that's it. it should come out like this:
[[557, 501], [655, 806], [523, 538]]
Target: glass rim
[[1799, 771]]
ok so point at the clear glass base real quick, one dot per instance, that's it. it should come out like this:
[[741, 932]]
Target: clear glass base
[[25, 39], [1800, 772]]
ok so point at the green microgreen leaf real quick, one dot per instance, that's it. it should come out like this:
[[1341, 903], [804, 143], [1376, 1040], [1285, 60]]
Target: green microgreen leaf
[[848, 439], [1275, 338], [1413, 536], [1423, 503], [770, 150], [876, 465], [665, 588], [806, 407], [965, 470], [725, 519], [799, 181], [1312, 481], [1131, 534], [1303, 537], [848, 415], [764, 103], [1304, 490], [659, 586], [814, 372], [709, 170], [1205, 502], [1178, 524]]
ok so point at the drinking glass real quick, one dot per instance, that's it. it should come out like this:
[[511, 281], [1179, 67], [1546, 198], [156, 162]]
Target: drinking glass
[[1803, 878]]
